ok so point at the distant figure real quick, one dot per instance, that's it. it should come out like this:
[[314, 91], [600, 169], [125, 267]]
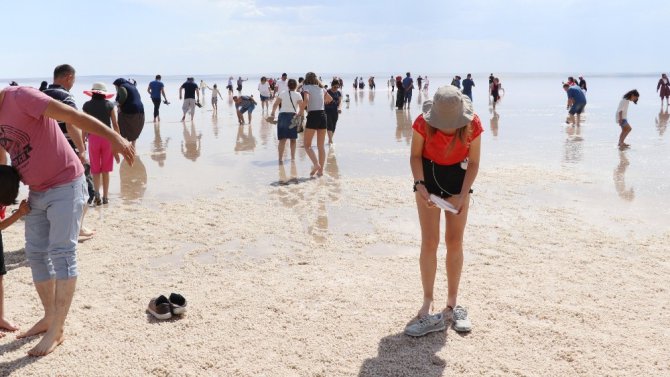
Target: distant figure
[[264, 91], [582, 83], [131, 110], [371, 83], [622, 116], [418, 81], [216, 94], [491, 77], [13, 83], [43, 86], [239, 83], [572, 81], [203, 86], [663, 88], [230, 85], [495, 91], [576, 102], [391, 84], [282, 83], [189, 91], [408, 85], [156, 90], [361, 84], [456, 82], [468, 83], [100, 149], [244, 104], [426, 83], [334, 108], [356, 83], [400, 96]]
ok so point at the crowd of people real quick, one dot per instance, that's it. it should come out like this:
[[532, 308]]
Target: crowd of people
[[62, 153]]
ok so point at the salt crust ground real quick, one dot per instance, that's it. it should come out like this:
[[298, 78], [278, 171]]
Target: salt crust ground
[[319, 279]]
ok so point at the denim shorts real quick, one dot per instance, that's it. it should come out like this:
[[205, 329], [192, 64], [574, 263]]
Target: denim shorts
[[249, 108], [623, 123], [283, 130], [577, 108], [52, 230]]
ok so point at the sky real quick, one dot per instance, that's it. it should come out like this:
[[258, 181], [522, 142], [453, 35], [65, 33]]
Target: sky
[[173, 37]]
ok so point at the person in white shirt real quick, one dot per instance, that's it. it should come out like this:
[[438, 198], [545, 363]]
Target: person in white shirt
[[622, 116], [216, 94], [264, 90], [288, 102], [282, 84], [203, 86]]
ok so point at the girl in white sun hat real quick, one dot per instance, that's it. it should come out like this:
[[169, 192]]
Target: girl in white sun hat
[[444, 160]]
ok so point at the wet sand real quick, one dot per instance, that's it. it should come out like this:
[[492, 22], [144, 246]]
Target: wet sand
[[565, 268]]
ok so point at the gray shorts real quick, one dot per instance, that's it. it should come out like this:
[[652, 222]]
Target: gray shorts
[[52, 230], [188, 106]]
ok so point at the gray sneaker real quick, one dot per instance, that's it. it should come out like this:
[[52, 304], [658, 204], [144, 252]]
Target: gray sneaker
[[425, 325], [459, 319]]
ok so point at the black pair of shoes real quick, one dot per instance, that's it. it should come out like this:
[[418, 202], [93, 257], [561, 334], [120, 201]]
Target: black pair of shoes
[[163, 308]]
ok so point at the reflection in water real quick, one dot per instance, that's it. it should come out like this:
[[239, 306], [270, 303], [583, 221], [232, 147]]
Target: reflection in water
[[494, 123], [371, 96], [574, 148], [133, 180], [245, 141], [403, 126], [419, 96], [266, 128], [190, 147], [215, 125], [159, 147], [319, 228], [619, 178], [662, 121], [333, 171]]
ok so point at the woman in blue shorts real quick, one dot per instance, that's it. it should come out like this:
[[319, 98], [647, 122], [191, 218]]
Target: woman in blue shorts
[[288, 101]]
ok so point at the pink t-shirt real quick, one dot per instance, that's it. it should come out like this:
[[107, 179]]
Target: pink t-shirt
[[35, 143]]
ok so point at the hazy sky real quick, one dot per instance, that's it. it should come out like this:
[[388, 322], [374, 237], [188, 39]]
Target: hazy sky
[[340, 36]]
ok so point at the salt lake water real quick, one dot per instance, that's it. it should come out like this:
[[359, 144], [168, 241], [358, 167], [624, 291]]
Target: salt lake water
[[178, 160]]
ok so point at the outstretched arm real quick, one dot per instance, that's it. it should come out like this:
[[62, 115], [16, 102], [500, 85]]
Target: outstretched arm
[[85, 122]]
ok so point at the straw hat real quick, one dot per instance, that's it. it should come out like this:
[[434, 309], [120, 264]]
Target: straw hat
[[449, 109], [99, 88]]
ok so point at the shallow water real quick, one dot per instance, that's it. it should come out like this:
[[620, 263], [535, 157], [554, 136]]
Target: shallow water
[[185, 160]]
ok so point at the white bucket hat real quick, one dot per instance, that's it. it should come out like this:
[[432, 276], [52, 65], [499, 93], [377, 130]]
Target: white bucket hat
[[449, 109], [99, 88]]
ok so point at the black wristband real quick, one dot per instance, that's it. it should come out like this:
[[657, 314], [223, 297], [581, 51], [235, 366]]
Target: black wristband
[[419, 182]]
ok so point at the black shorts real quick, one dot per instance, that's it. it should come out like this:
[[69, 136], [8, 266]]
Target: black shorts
[[316, 120], [443, 180], [331, 119], [3, 270]]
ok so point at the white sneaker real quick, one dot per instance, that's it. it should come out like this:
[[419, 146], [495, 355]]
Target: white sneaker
[[459, 319], [426, 325]]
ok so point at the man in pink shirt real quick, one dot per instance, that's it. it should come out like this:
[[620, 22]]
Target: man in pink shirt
[[48, 165]]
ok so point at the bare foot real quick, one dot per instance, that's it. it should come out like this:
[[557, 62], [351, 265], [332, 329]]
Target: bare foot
[[41, 326], [84, 238], [314, 170], [5, 324], [320, 173], [425, 308], [85, 232], [47, 345]]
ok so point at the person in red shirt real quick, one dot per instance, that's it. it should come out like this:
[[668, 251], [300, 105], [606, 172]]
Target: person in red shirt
[[445, 161]]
